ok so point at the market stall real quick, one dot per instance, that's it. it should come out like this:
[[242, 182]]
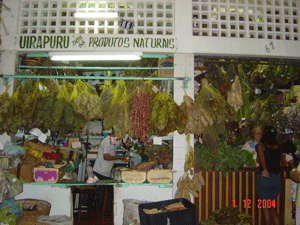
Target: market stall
[[202, 94]]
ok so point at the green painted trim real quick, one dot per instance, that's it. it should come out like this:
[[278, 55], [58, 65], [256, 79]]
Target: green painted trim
[[147, 56], [34, 55], [96, 68], [92, 137], [164, 138], [103, 182], [95, 78]]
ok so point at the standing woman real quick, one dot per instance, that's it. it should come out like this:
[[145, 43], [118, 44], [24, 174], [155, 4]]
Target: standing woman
[[267, 180], [256, 135]]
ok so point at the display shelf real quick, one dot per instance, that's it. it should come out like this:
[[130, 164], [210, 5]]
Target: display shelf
[[19, 138], [103, 182], [27, 136], [92, 137], [170, 185], [164, 138]]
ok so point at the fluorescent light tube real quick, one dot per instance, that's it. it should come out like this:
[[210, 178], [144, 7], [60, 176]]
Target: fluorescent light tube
[[96, 15], [94, 56]]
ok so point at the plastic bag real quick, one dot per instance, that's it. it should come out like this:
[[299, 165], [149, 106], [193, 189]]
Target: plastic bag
[[55, 220], [5, 187], [15, 184]]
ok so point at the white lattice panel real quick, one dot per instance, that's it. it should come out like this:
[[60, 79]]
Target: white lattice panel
[[258, 19], [56, 17]]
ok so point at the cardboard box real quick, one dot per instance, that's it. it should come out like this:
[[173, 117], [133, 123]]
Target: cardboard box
[[48, 175], [134, 176], [26, 173], [40, 146], [73, 140], [168, 62], [164, 176], [46, 148]]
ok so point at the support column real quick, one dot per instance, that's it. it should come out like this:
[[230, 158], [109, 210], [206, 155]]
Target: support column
[[8, 31], [8, 60], [183, 67]]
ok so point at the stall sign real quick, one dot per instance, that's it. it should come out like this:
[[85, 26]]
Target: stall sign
[[96, 42]]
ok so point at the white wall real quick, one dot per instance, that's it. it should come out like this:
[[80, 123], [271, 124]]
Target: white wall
[[234, 47], [60, 198]]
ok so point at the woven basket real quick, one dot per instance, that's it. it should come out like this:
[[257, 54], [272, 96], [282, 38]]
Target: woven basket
[[32, 62], [32, 209]]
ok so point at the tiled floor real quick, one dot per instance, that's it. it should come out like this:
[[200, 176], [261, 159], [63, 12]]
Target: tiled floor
[[93, 220]]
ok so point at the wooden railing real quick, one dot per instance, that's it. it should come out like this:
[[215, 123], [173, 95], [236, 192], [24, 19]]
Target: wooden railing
[[237, 188]]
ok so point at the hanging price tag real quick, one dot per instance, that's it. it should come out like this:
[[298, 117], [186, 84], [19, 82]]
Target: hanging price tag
[[157, 141], [126, 24], [155, 89]]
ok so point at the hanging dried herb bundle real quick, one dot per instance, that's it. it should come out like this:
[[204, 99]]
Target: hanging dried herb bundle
[[234, 98], [109, 102], [210, 97], [21, 108], [32, 96], [198, 117], [210, 138], [16, 114], [105, 100], [189, 157], [165, 116], [45, 111], [4, 108], [118, 111], [214, 103], [86, 101], [51, 111], [57, 112], [158, 113], [139, 118]]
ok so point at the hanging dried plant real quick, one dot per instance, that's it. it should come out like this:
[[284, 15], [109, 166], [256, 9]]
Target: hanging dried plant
[[140, 110]]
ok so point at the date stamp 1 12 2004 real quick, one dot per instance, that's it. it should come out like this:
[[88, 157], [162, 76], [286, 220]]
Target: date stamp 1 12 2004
[[261, 203]]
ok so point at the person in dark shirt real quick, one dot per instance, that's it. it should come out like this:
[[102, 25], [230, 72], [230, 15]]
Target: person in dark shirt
[[267, 180], [289, 150]]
